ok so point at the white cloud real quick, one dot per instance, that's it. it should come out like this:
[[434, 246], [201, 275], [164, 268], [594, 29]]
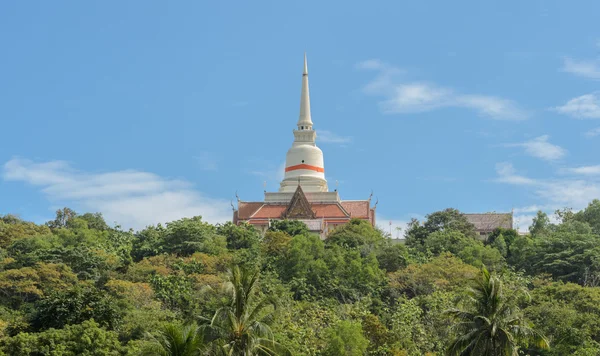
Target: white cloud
[[330, 137], [572, 193], [416, 97], [582, 107], [491, 106], [583, 68], [371, 64], [507, 174], [539, 147], [592, 133], [130, 198], [207, 161], [532, 209], [403, 97], [553, 192], [585, 170]]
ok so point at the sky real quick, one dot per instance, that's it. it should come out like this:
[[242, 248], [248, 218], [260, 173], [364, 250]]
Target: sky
[[150, 111]]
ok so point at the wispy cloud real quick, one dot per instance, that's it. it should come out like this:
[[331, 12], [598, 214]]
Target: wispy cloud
[[207, 161], [555, 192], [131, 198], [583, 68], [402, 97], [330, 137], [584, 170], [582, 107], [592, 133], [532, 209], [539, 147], [507, 174]]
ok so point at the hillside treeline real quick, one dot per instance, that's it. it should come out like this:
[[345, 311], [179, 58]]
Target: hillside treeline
[[78, 286]]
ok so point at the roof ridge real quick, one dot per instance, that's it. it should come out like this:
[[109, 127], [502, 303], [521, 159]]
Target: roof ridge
[[507, 213], [257, 210]]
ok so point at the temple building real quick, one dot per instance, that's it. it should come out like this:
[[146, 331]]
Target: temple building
[[486, 223], [303, 193]]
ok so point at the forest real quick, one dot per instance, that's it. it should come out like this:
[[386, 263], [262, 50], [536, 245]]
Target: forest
[[78, 286]]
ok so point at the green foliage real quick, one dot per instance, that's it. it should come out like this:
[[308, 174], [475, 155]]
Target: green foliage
[[355, 234], [447, 241], [568, 315], [242, 326], [76, 305], [567, 256], [79, 286], [147, 243], [63, 219], [276, 243], [85, 339], [445, 220], [333, 272], [491, 322], [29, 284], [500, 245], [290, 227], [13, 228], [189, 235], [345, 339], [508, 235], [469, 249], [95, 221], [175, 291], [591, 216], [392, 257], [182, 237], [89, 253], [443, 273], [540, 224], [176, 340], [238, 237], [479, 255]]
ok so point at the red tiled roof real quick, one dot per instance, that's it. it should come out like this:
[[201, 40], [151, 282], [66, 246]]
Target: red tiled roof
[[328, 211], [259, 210], [269, 211], [357, 209], [246, 209]]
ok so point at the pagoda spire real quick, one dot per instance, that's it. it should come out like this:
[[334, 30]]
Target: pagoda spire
[[304, 121], [304, 160]]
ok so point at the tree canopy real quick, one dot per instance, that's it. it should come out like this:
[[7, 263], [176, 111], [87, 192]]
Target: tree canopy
[[80, 286]]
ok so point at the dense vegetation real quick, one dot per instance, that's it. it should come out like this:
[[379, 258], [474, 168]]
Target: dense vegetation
[[77, 286]]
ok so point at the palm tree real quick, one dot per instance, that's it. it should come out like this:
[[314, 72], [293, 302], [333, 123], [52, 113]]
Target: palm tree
[[177, 340], [492, 324], [242, 328]]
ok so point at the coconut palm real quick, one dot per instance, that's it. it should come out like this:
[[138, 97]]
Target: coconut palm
[[242, 327], [492, 323], [177, 340]]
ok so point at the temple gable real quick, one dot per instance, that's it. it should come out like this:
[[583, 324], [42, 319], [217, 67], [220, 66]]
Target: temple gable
[[299, 207]]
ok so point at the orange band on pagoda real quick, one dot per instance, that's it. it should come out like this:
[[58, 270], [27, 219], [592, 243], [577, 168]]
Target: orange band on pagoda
[[305, 166]]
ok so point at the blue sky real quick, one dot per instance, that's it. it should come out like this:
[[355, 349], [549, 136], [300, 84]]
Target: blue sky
[[148, 111]]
